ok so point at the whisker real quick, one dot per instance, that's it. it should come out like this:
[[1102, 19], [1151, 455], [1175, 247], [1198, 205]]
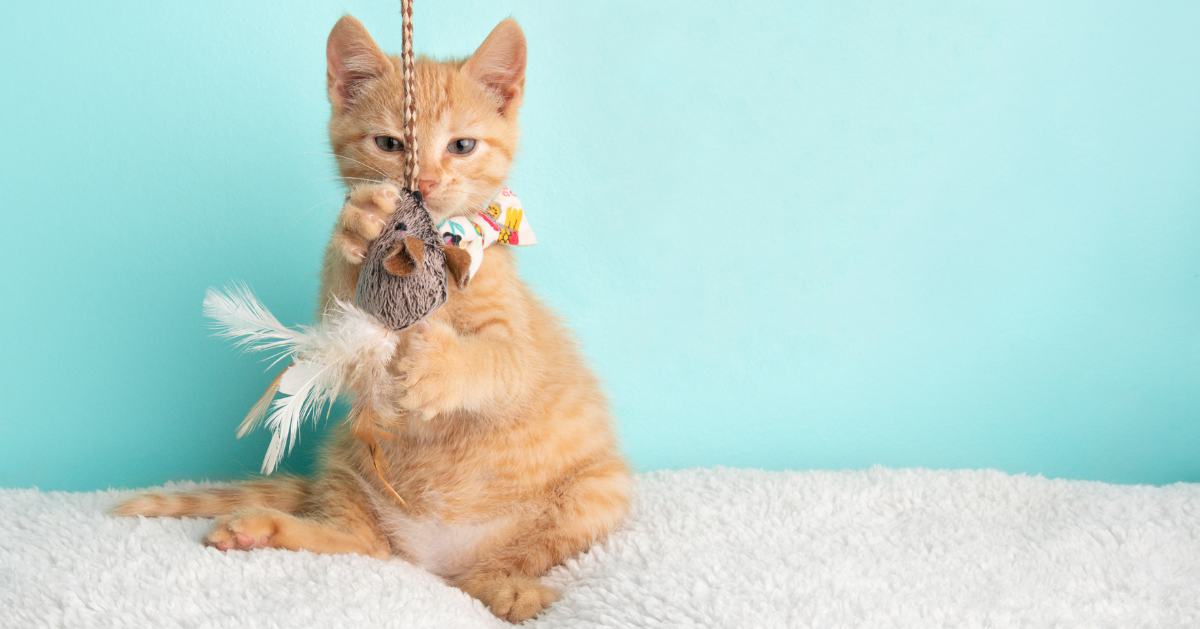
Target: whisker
[[343, 179], [297, 219], [346, 157]]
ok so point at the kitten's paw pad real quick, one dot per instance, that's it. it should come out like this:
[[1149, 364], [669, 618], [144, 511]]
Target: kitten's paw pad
[[241, 532], [517, 599]]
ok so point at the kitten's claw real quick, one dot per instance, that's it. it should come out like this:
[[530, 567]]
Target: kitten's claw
[[363, 217], [353, 248]]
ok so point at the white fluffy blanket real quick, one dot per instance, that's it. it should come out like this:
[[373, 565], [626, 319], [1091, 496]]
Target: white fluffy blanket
[[705, 548]]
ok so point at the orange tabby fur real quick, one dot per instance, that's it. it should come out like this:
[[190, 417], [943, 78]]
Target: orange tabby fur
[[507, 460]]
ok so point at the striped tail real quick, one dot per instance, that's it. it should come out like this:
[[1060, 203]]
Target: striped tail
[[285, 493]]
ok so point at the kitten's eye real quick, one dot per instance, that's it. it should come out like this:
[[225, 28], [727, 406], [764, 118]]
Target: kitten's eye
[[461, 146], [388, 144]]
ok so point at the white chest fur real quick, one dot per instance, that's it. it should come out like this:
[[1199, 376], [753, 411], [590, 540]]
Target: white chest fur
[[443, 549]]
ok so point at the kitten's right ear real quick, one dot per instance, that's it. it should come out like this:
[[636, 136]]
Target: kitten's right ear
[[499, 64], [354, 59]]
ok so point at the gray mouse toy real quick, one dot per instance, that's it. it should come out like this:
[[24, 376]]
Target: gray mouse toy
[[404, 276]]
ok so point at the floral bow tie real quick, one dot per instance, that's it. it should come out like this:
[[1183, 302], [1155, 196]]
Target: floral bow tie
[[503, 221]]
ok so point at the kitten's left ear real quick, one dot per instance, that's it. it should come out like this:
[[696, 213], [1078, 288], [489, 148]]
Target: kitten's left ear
[[499, 63], [353, 61]]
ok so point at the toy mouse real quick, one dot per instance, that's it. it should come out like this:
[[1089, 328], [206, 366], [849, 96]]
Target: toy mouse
[[403, 278]]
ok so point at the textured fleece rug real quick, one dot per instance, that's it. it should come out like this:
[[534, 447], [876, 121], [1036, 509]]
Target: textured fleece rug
[[704, 548]]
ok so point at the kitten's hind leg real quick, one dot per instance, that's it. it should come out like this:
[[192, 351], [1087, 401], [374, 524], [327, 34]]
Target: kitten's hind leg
[[578, 511], [515, 598], [337, 523], [268, 528]]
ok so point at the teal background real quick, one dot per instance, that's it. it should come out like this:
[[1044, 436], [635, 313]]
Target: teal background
[[790, 235]]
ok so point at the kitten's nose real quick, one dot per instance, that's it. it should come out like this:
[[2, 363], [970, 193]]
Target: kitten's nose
[[426, 186]]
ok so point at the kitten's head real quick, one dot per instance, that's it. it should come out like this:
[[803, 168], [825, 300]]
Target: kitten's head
[[466, 116]]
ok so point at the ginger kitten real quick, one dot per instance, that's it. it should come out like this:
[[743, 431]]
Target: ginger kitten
[[507, 463]]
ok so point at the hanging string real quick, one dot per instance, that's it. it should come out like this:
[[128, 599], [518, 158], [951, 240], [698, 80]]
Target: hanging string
[[410, 100], [370, 436]]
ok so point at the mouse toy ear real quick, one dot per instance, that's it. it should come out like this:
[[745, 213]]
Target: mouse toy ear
[[458, 262], [406, 257]]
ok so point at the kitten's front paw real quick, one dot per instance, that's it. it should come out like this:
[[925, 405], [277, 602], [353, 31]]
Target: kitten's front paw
[[242, 531], [426, 377], [363, 216]]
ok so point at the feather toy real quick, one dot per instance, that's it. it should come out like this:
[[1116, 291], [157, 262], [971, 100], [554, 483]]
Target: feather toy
[[403, 280], [350, 349]]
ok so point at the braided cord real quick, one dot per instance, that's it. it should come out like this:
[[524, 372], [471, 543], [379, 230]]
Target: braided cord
[[410, 101], [369, 435]]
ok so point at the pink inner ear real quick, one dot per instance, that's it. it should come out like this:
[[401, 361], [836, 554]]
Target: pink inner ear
[[352, 59], [337, 87], [499, 62]]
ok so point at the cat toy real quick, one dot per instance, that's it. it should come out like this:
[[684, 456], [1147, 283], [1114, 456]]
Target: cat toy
[[403, 279]]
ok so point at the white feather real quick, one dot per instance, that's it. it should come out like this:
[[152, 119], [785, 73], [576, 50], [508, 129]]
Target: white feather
[[349, 349], [240, 315], [274, 453]]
